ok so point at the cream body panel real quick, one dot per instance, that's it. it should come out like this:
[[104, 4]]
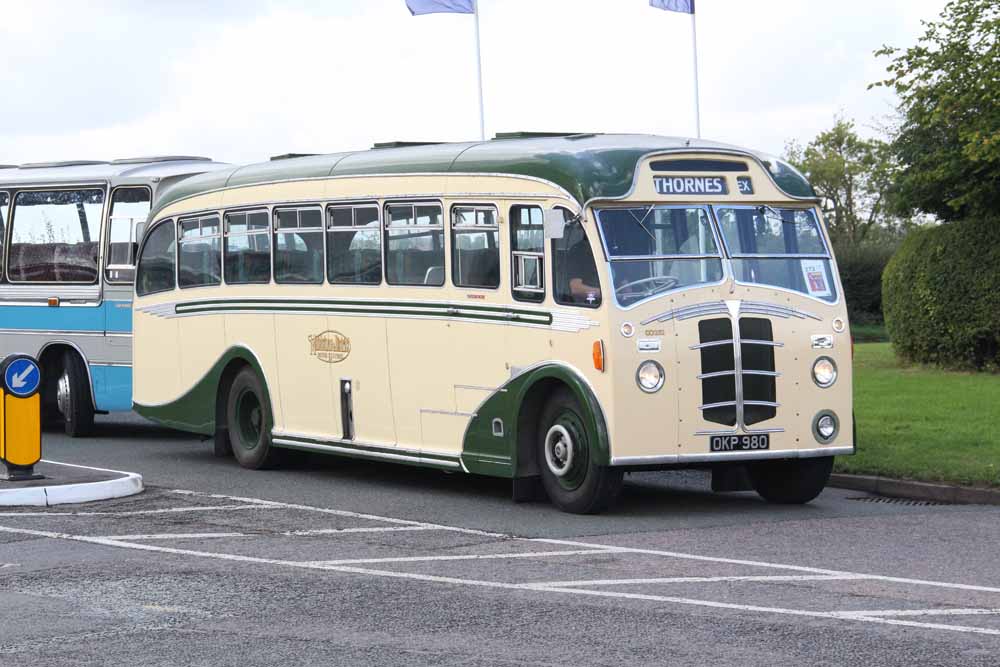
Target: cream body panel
[[367, 367], [201, 343], [157, 370], [799, 398], [256, 333]]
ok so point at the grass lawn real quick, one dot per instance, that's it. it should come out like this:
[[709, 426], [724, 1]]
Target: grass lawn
[[922, 423]]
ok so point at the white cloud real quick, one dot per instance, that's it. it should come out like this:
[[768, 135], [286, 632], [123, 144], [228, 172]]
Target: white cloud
[[249, 80]]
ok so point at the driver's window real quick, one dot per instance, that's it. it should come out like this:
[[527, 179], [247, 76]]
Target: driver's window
[[575, 281]]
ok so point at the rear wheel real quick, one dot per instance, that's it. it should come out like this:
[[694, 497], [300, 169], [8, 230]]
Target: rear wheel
[[249, 422], [573, 482], [73, 397], [792, 482]]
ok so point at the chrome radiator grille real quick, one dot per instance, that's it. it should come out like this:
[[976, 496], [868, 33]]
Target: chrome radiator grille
[[738, 373]]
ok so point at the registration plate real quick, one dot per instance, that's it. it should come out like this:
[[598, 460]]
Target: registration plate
[[739, 443]]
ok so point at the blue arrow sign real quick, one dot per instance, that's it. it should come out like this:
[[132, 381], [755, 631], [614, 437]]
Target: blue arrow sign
[[22, 377]]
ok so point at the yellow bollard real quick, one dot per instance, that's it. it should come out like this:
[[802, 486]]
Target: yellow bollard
[[20, 417]]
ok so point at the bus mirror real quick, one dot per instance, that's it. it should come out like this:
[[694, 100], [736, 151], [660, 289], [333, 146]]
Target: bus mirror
[[555, 223], [140, 227]]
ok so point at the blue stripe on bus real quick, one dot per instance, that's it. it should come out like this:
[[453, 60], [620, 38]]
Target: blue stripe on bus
[[112, 387], [114, 316]]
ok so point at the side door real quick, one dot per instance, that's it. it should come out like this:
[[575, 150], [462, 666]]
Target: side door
[[127, 212]]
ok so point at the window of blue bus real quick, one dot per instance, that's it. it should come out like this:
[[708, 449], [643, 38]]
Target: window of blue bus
[[574, 272], [298, 245], [353, 245], [247, 248], [414, 253], [199, 257], [155, 271], [4, 207], [475, 247], [54, 236], [527, 249], [129, 209], [781, 247]]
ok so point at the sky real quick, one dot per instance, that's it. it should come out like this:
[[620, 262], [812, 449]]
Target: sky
[[242, 80]]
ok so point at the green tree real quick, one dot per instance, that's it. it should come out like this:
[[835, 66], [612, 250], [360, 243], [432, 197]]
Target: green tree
[[853, 176], [948, 144]]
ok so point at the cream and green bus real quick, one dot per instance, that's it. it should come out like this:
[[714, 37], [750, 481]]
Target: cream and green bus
[[553, 309]]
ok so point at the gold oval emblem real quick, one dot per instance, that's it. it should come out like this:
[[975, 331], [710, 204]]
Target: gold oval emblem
[[330, 346]]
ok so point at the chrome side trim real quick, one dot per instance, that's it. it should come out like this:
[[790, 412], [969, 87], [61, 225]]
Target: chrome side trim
[[450, 413], [750, 431], [723, 457], [717, 374], [339, 447], [687, 312], [763, 308]]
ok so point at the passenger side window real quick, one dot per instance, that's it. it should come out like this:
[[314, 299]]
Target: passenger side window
[[354, 245], [200, 256], [298, 245], [574, 272], [475, 246], [155, 271], [129, 209], [414, 244], [247, 248], [527, 250], [4, 205], [54, 236]]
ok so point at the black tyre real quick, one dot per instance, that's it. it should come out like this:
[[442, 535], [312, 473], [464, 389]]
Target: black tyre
[[791, 482], [73, 398], [249, 422], [573, 482]]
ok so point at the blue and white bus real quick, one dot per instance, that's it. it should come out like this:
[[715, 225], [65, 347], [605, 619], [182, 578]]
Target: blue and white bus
[[68, 235]]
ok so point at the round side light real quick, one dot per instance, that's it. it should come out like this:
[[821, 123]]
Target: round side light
[[824, 372], [825, 426], [650, 376]]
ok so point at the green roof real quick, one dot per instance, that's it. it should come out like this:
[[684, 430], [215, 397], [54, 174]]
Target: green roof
[[587, 166]]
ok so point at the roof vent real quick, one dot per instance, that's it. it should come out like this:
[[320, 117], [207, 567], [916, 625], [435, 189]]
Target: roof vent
[[404, 144], [291, 156], [68, 163], [161, 158], [541, 135]]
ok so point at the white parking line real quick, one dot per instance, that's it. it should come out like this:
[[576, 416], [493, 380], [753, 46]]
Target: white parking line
[[363, 529], [174, 536], [165, 510], [421, 559], [704, 580], [885, 617], [779, 566], [918, 612], [843, 616]]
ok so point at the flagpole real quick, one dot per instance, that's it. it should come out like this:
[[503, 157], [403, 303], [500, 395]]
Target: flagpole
[[694, 44], [479, 75]]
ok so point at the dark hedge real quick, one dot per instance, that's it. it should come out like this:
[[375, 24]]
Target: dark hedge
[[861, 276], [941, 295]]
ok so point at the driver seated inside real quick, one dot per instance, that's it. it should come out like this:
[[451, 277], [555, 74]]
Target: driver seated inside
[[584, 284]]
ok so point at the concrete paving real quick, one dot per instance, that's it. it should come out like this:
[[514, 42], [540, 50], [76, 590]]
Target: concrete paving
[[330, 561]]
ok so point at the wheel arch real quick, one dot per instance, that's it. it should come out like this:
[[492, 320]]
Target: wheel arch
[[518, 403], [197, 410], [51, 370]]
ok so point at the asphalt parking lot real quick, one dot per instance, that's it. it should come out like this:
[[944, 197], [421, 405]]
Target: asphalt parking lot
[[330, 561]]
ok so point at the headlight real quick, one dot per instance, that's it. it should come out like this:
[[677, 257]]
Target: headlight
[[649, 376], [825, 426], [824, 372]]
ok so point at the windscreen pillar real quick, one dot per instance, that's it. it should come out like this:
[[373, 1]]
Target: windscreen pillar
[[20, 417]]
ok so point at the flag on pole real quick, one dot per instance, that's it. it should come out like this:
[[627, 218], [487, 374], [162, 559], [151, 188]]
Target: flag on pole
[[683, 6], [418, 7]]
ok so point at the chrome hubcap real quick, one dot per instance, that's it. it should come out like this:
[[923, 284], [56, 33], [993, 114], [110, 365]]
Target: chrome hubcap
[[558, 450], [63, 394]]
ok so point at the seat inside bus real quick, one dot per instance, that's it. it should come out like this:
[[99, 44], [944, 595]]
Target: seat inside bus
[[53, 262]]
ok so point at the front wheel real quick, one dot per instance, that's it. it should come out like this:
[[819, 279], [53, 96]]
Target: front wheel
[[73, 397], [249, 422], [794, 482], [572, 480]]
